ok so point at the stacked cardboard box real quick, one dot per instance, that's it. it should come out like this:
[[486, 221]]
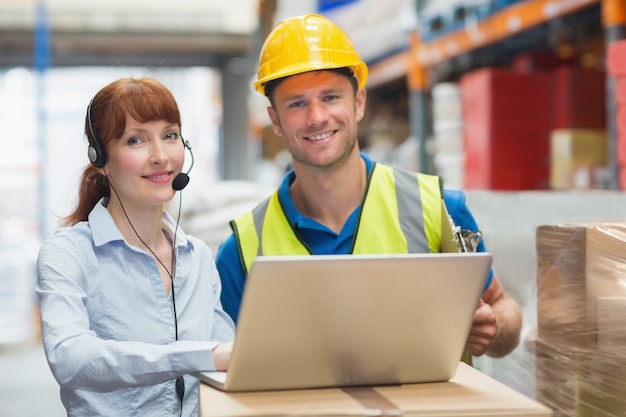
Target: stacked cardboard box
[[509, 117], [581, 318], [448, 152], [506, 129], [579, 98], [578, 159]]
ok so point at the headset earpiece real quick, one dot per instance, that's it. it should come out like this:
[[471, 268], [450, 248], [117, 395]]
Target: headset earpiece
[[96, 153], [97, 157]]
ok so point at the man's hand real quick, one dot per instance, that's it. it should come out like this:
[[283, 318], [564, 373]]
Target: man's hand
[[484, 330], [497, 323]]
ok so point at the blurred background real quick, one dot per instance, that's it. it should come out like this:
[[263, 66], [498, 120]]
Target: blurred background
[[519, 103]]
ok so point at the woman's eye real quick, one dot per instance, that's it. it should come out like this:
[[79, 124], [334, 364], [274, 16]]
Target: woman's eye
[[133, 141], [171, 136]]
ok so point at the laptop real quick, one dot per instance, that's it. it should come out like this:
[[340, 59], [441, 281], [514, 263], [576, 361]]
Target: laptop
[[353, 320]]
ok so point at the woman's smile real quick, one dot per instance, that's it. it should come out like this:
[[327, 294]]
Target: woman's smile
[[161, 177]]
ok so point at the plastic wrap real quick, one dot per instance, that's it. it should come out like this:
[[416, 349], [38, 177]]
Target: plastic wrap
[[580, 363]]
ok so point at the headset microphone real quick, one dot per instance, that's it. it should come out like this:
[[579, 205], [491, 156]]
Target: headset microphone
[[181, 180]]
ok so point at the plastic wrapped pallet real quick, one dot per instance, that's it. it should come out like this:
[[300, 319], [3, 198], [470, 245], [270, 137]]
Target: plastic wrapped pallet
[[581, 319]]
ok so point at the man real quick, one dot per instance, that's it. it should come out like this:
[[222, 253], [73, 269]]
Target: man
[[336, 200]]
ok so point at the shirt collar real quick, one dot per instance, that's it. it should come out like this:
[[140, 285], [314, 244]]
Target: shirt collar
[[104, 230], [292, 213]]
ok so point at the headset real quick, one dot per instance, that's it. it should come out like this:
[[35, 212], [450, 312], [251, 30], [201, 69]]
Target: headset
[[98, 157], [96, 153]]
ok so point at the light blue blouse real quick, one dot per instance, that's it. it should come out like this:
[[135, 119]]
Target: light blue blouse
[[108, 326]]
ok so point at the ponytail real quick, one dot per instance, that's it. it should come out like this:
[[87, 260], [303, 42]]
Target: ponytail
[[93, 186]]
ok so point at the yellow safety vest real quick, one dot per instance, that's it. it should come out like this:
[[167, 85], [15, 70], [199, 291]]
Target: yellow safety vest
[[405, 205]]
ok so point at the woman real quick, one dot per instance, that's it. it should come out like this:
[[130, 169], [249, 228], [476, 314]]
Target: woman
[[129, 303]]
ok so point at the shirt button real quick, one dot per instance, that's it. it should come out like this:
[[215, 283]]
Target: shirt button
[[171, 331], [168, 407]]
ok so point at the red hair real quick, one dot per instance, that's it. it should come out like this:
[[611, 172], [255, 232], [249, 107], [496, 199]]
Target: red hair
[[143, 99]]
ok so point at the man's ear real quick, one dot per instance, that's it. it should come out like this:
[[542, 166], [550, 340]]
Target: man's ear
[[359, 104], [275, 121]]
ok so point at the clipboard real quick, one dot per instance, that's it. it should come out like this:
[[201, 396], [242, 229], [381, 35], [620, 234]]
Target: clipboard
[[453, 238]]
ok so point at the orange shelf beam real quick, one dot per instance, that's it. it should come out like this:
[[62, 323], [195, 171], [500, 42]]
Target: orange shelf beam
[[505, 23], [613, 13], [388, 69]]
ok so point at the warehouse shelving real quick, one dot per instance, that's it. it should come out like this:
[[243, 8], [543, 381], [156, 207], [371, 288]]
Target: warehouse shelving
[[510, 21], [522, 27], [513, 20]]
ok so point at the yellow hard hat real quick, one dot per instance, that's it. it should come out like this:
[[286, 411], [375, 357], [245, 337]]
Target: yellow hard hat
[[306, 43]]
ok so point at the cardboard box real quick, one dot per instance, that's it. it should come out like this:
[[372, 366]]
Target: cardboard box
[[580, 382], [507, 121], [576, 265], [561, 272], [468, 393], [611, 322], [573, 151], [602, 387], [579, 97], [557, 377], [606, 268], [602, 383], [581, 315]]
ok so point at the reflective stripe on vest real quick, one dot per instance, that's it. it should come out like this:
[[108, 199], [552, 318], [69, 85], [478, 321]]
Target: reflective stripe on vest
[[406, 205]]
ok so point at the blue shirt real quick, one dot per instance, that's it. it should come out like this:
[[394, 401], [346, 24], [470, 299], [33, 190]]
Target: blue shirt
[[319, 238], [108, 324]]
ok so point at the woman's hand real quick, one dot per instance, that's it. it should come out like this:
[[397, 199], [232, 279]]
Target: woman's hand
[[221, 356]]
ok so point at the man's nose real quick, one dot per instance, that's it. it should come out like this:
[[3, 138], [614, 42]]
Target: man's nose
[[317, 112]]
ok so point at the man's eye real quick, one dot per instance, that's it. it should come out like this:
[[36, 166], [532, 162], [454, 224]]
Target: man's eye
[[296, 105]]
